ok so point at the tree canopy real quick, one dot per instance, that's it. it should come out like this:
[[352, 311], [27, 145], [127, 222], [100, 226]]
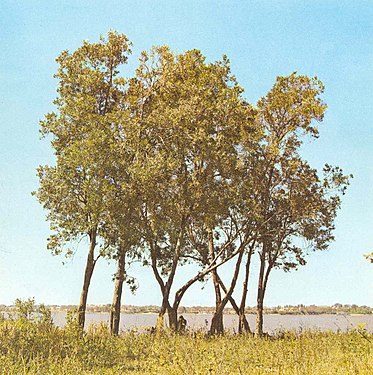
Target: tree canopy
[[173, 166]]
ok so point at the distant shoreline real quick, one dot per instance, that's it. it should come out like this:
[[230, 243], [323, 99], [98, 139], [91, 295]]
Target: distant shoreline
[[337, 309]]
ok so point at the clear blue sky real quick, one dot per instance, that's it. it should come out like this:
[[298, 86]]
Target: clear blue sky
[[263, 39]]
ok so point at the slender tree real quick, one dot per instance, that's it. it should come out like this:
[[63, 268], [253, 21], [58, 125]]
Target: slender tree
[[122, 233], [293, 202], [74, 190]]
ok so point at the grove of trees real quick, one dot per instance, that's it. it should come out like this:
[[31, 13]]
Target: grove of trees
[[173, 166]]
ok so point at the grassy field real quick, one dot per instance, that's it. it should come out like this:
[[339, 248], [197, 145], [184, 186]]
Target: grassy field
[[38, 347]]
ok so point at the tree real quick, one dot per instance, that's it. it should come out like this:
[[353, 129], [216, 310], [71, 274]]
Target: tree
[[189, 122], [122, 233], [74, 190], [293, 202]]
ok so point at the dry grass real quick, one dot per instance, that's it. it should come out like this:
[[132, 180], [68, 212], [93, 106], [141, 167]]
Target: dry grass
[[33, 347]]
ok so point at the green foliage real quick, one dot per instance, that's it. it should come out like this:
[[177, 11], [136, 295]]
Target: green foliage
[[27, 310], [173, 165], [72, 325], [82, 191], [189, 123], [294, 202], [75, 190]]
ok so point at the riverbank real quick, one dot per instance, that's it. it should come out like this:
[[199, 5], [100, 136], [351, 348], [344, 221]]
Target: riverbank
[[35, 348]]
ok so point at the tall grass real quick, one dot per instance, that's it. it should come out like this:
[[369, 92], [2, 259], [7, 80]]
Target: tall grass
[[31, 348], [33, 345]]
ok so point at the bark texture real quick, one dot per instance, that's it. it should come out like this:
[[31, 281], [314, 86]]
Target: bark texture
[[217, 325], [117, 296], [90, 265], [260, 295]]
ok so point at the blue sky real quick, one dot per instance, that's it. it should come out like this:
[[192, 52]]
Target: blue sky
[[263, 39]]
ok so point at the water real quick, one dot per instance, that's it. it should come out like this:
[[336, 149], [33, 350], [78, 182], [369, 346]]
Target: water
[[272, 323]]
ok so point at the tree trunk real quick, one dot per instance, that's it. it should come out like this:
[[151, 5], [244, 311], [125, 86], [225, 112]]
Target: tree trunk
[[242, 317], [217, 320], [260, 295], [166, 286], [162, 313], [217, 325], [160, 319], [180, 292], [243, 325], [90, 265], [172, 318], [117, 297]]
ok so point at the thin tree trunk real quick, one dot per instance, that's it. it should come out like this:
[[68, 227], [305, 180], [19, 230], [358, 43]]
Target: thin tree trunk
[[166, 286], [165, 306], [260, 295], [213, 265], [243, 325], [90, 265], [264, 288], [217, 325], [242, 317], [180, 293], [219, 329], [117, 297], [231, 299], [160, 320]]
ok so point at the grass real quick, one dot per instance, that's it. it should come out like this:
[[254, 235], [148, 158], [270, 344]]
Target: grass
[[38, 347]]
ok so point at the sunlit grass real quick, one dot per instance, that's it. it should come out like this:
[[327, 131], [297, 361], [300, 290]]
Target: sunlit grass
[[40, 348]]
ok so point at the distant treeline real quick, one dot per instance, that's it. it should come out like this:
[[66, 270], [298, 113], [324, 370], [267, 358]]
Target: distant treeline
[[153, 309]]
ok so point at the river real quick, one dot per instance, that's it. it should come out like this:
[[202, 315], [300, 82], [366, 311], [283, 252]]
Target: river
[[272, 323]]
